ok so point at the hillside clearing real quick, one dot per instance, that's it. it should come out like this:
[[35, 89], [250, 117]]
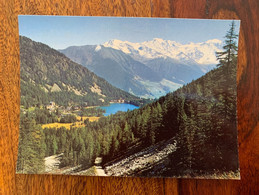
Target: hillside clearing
[[68, 125]]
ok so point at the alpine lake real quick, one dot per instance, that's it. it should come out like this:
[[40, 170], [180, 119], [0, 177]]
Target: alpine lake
[[116, 107]]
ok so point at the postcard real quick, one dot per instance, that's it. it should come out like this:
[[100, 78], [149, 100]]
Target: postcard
[[140, 97]]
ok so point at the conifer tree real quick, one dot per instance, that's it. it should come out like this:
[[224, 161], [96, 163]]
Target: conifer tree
[[31, 147], [229, 53]]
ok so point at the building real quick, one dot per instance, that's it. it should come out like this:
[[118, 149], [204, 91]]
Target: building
[[51, 106]]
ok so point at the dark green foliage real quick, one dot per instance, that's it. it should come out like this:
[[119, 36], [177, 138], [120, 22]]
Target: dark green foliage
[[207, 124], [44, 116], [33, 95], [229, 55], [31, 147], [70, 118], [201, 116], [92, 112]]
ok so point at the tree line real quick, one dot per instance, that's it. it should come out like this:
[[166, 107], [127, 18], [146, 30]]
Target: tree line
[[201, 116]]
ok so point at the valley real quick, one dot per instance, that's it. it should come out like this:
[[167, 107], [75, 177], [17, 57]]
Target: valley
[[74, 116], [163, 64], [150, 141], [128, 109]]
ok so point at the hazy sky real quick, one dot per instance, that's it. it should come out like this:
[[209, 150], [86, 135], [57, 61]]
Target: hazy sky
[[60, 32]]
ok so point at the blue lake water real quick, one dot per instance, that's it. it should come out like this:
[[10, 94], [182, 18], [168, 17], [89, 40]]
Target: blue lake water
[[115, 107]]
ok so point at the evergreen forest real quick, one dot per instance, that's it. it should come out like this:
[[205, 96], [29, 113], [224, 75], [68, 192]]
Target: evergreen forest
[[200, 116]]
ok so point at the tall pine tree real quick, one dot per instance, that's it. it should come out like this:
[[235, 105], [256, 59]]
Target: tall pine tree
[[229, 53]]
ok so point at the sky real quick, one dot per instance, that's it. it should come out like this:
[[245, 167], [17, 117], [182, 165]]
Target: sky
[[60, 32]]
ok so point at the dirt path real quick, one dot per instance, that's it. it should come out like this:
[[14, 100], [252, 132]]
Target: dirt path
[[52, 163], [99, 171]]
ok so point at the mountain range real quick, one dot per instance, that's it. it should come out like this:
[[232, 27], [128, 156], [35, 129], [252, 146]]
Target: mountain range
[[48, 75], [190, 132], [148, 69], [202, 53]]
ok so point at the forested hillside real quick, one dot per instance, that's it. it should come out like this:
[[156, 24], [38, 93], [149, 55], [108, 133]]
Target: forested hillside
[[191, 132], [47, 75], [201, 116]]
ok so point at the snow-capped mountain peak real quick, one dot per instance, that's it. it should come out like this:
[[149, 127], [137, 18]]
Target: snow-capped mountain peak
[[202, 53], [158, 40], [118, 44]]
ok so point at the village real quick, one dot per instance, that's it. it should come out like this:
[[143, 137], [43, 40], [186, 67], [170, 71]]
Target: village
[[72, 115]]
